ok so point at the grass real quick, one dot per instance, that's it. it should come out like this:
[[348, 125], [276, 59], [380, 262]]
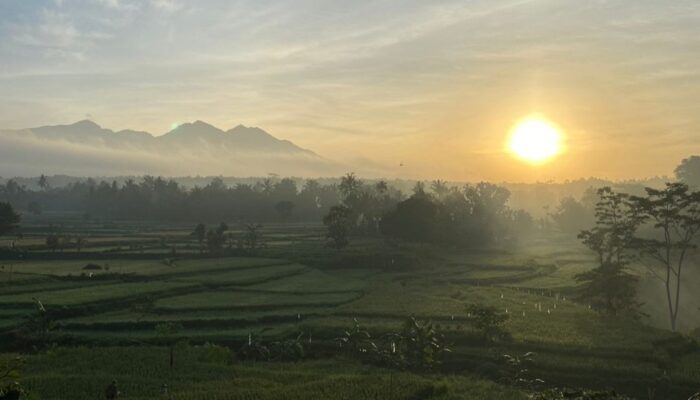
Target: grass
[[206, 373], [312, 281], [247, 276], [93, 293], [233, 299], [137, 267]]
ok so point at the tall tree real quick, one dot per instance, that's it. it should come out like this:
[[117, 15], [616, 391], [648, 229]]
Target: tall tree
[[440, 188], [674, 213], [43, 182], [216, 238], [339, 222], [8, 218], [610, 287], [349, 185], [253, 235], [381, 187], [200, 233]]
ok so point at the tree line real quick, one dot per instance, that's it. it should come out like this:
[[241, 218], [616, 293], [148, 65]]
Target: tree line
[[157, 198]]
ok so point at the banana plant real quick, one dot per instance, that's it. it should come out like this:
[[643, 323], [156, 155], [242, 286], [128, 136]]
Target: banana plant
[[288, 350]]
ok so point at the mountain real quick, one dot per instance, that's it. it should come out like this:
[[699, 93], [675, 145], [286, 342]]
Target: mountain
[[193, 148]]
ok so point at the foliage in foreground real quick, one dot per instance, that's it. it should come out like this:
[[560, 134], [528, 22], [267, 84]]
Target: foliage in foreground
[[577, 394], [84, 373]]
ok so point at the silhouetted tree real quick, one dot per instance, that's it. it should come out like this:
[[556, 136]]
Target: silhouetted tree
[[9, 219], [53, 242], [414, 219], [439, 188], [572, 216], [43, 182], [610, 287], [381, 187], [674, 213], [339, 222], [349, 185], [253, 235], [216, 238], [200, 233], [80, 242]]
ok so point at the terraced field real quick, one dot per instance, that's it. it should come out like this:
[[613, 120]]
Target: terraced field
[[273, 294]]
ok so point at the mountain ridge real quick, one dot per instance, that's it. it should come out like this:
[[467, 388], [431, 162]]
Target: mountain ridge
[[86, 148], [189, 133]]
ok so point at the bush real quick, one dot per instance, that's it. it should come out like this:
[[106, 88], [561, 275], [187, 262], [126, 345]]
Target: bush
[[577, 394], [488, 321]]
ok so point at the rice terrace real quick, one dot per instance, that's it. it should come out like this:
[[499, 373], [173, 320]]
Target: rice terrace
[[157, 308]]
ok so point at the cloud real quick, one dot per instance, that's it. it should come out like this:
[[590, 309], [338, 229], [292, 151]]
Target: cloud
[[121, 5], [167, 5]]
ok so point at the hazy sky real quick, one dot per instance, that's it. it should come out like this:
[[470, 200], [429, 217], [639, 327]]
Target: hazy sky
[[435, 85]]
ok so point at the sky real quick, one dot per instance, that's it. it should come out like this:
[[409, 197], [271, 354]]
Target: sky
[[422, 89]]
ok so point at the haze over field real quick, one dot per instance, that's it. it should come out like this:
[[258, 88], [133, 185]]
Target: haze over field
[[399, 89]]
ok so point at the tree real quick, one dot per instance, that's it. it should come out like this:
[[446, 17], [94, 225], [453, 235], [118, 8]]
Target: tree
[[217, 238], [572, 216], [440, 188], [253, 235], [53, 242], [80, 242], [200, 233], [349, 185], [674, 213], [339, 222], [610, 287], [487, 320], [414, 219], [381, 187], [688, 171], [419, 189], [8, 218], [43, 182]]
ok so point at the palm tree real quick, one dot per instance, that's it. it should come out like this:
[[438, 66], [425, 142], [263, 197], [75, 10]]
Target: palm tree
[[440, 188], [349, 184], [381, 187]]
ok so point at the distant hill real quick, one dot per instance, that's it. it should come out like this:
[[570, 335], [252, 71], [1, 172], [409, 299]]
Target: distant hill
[[85, 149]]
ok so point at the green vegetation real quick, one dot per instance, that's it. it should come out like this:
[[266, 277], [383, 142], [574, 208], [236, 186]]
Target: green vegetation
[[271, 311]]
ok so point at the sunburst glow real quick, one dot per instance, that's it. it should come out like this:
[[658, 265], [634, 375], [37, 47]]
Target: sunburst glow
[[535, 140]]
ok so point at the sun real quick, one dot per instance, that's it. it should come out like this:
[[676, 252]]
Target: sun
[[535, 140]]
